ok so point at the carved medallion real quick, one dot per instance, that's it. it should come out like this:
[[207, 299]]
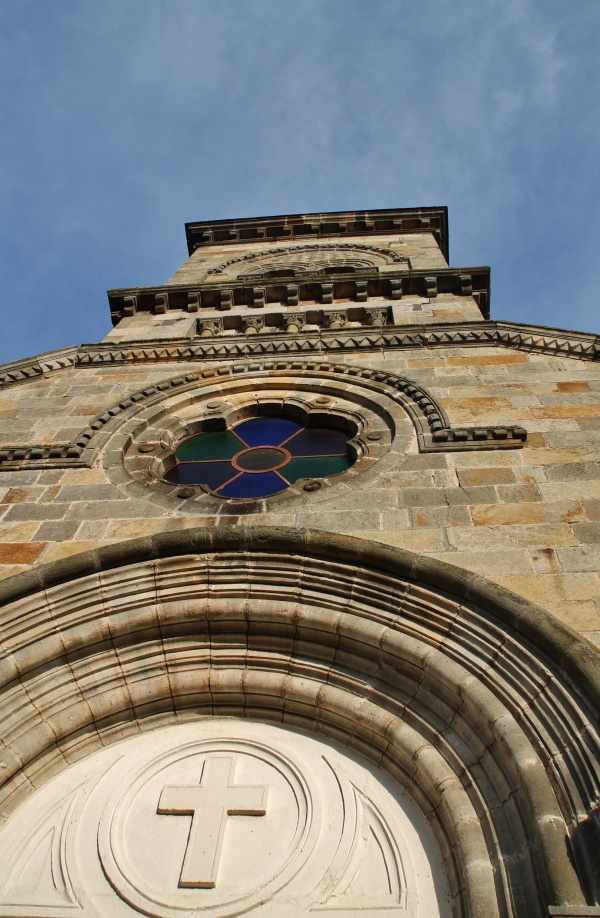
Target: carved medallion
[[224, 818]]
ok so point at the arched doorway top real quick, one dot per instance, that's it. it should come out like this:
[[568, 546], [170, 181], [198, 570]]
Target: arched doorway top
[[561, 643], [479, 705]]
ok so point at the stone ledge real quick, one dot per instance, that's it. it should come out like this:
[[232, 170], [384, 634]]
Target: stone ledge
[[307, 289], [302, 226], [574, 911], [528, 338]]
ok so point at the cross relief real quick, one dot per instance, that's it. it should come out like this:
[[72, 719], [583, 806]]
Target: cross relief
[[209, 804]]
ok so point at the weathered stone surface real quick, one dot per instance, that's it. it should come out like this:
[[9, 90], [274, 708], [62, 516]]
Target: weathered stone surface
[[475, 442], [20, 552]]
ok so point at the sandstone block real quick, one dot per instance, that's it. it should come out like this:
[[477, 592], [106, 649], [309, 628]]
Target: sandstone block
[[587, 532], [527, 513], [470, 477], [20, 552]]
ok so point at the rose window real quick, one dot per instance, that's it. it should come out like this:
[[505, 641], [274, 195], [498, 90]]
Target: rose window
[[259, 457]]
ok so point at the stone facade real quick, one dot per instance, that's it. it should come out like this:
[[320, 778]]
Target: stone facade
[[443, 596]]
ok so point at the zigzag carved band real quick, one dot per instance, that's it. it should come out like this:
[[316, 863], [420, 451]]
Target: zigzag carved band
[[580, 345]]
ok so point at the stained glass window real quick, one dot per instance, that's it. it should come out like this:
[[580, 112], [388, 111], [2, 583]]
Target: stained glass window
[[259, 457]]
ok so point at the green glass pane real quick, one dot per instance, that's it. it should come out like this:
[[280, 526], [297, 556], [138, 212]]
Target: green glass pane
[[316, 467], [218, 444]]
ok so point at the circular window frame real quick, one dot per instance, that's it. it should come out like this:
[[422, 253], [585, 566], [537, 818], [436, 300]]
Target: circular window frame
[[228, 420], [137, 442]]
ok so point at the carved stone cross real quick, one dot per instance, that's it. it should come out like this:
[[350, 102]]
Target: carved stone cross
[[209, 803]]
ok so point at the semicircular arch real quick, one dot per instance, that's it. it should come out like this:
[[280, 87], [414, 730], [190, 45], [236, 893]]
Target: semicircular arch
[[478, 703]]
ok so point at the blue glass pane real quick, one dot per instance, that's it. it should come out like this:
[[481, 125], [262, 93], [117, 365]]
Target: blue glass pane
[[213, 474], [318, 441], [266, 431], [249, 485]]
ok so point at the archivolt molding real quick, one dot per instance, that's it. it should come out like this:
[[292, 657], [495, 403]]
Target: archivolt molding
[[478, 703], [289, 254], [361, 388]]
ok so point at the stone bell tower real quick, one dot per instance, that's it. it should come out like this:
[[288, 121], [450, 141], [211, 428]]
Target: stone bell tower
[[299, 596]]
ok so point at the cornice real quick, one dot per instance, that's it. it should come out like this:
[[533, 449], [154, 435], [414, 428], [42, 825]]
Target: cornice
[[302, 226], [358, 287], [41, 365], [529, 338]]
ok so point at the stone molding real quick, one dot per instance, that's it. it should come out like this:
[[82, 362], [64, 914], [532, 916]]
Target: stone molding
[[477, 702], [529, 338], [332, 248], [315, 813], [431, 424], [300, 226], [309, 288]]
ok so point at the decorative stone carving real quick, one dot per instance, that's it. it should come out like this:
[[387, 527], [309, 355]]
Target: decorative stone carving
[[294, 321], [306, 258], [221, 817], [376, 316], [432, 426], [351, 222], [431, 671], [253, 324], [208, 328], [335, 319]]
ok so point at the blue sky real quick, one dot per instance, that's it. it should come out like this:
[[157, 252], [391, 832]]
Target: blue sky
[[123, 119]]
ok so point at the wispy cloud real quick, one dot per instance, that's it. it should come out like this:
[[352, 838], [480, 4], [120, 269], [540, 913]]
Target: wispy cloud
[[122, 121]]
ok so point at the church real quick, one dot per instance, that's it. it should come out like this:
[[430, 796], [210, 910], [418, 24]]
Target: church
[[299, 592]]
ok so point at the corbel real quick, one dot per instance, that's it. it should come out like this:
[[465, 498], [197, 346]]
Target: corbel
[[430, 287], [481, 298], [225, 299], [292, 295], [466, 284], [130, 305], [193, 301], [364, 226], [361, 291], [396, 288], [326, 293], [161, 303], [259, 296]]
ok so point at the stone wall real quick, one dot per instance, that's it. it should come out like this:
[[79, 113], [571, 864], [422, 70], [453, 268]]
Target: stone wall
[[527, 518]]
